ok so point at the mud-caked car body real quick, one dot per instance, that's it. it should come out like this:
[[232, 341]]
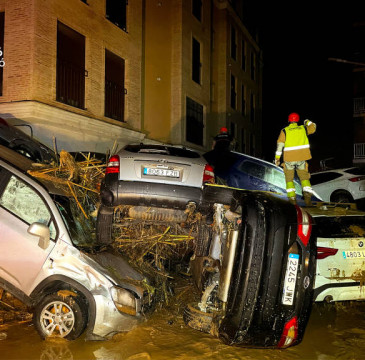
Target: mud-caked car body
[[340, 236], [253, 257], [47, 260], [255, 267]]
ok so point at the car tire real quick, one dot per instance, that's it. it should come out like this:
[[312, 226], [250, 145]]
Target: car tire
[[104, 225], [69, 319], [197, 319], [203, 240], [342, 197]]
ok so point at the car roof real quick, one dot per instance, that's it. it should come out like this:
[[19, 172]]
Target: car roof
[[24, 164], [249, 157]]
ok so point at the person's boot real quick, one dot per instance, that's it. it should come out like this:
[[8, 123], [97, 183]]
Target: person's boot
[[307, 198], [293, 200]]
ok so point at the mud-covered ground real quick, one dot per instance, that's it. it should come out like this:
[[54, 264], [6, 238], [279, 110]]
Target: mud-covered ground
[[334, 332]]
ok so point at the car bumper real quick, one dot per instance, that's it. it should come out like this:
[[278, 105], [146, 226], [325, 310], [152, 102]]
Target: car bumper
[[109, 321], [114, 192]]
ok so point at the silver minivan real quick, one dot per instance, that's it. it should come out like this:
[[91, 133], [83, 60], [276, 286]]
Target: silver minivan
[[49, 261]]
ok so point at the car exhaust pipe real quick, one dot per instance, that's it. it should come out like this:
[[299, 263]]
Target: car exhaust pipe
[[157, 214]]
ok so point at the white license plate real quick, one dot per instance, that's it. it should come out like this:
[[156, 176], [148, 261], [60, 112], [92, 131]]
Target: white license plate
[[353, 254], [161, 172], [290, 279]]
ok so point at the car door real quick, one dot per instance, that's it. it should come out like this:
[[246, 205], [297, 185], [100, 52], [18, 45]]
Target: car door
[[21, 259]]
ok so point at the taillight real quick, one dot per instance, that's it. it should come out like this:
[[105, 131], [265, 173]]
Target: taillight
[[113, 165], [290, 333], [323, 252], [208, 175], [304, 225], [357, 178]]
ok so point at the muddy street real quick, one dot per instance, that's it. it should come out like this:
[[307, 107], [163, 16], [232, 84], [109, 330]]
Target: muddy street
[[334, 332]]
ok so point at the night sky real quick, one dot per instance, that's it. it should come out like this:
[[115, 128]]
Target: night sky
[[298, 77]]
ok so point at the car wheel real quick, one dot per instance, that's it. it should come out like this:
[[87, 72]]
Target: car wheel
[[203, 240], [342, 197], [60, 316], [197, 319], [104, 225]]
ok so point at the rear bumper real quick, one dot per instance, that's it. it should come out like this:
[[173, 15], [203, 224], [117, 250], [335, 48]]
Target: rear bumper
[[114, 192]]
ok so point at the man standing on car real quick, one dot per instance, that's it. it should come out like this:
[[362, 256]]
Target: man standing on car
[[293, 141]]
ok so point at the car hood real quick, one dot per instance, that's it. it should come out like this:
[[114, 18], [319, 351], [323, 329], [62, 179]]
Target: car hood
[[119, 271]]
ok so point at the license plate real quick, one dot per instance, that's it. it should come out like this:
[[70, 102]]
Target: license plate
[[290, 279], [161, 172], [353, 254]]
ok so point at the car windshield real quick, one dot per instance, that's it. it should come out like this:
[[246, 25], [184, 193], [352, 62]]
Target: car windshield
[[80, 228], [162, 149]]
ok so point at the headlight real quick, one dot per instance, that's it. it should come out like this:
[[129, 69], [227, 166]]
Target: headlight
[[124, 300]]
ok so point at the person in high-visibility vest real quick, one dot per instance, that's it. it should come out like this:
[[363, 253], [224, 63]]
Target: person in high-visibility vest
[[293, 144]]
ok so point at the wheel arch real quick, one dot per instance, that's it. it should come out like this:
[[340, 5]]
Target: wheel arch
[[341, 191], [56, 283]]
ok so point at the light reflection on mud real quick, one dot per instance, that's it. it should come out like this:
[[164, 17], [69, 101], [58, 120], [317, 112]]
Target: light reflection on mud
[[332, 333]]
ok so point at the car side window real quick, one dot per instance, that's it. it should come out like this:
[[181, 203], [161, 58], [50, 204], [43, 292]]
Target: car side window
[[252, 169], [21, 200], [321, 178]]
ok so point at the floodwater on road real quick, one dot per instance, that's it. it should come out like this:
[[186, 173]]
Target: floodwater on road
[[333, 332]]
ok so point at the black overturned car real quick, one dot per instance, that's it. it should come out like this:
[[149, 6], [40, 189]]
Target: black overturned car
[[253, 258]]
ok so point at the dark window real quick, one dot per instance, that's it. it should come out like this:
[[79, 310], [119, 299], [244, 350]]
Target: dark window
[[252, 108], [243, 101], [197, 9], [233, 92], [196, 61], [243, 55], [116, 12], [252, 169], [162, 149], [321, 178], [355, 171], [233, 43], [253, 66], [70, 77], [233, 129], [84, 1], [2, 17], [194, 122], [114, 86]]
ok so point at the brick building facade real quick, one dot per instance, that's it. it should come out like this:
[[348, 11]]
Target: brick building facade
[[93, 72]]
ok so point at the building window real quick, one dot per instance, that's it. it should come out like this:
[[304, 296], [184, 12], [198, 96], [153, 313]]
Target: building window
[[70, 77], [233, 92], [253, 66], [194, 122], [116, 12], [243, 55], [114, 86], [243, 100], [2, 18], [243, 141], [197, 9], [252, 108], [196, 61], [233, 43]]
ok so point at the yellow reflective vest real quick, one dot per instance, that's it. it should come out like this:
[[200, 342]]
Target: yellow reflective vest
[[295, 139]]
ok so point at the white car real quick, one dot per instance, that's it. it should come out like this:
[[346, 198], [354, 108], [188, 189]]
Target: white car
[[340, 271], [341, 185]]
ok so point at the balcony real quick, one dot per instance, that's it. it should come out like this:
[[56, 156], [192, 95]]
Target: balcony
[[359, 106], [359, 152]]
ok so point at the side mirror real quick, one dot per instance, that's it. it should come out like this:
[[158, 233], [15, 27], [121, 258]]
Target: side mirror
[[42, 231]]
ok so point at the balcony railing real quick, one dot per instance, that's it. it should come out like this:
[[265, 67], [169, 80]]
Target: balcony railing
[[70, 87], [359, 151], [114, 100], [359, 105]]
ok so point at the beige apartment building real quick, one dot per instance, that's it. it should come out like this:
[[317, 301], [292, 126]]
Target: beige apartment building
[[89, 73]]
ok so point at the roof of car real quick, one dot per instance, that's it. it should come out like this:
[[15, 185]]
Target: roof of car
[[24, 164]]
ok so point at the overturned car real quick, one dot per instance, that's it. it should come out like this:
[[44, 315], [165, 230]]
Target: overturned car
[[252, 255]]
